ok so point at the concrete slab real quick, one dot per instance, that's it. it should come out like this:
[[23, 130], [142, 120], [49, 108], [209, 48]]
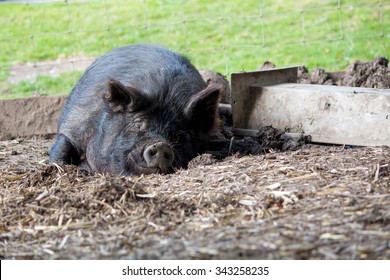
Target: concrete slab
[[330, 114]]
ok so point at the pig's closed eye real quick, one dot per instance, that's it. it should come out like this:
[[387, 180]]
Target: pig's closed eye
[[137, 126]]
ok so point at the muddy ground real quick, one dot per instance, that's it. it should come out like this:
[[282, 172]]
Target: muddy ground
[[318, 202], [269, 199]]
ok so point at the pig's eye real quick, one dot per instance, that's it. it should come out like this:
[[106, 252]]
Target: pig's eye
[[137, 125]]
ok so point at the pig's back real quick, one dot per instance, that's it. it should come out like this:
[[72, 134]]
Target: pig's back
[[143, 66], [153, 69]]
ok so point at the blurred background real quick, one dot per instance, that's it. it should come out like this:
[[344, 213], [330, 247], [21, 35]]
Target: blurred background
[[46, 45]]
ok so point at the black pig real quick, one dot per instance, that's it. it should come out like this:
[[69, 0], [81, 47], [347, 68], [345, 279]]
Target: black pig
[[137, 109]]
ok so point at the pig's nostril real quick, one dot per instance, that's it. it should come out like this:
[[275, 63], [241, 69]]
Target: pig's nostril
[[159, 155]]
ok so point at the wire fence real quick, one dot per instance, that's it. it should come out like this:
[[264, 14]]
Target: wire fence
[[45, 45]]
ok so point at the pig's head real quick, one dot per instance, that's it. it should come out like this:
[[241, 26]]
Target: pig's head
[[152, 133]]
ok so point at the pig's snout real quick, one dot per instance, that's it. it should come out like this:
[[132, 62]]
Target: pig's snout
[[159, 155]]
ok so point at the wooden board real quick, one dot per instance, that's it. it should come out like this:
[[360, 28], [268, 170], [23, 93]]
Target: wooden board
[[241, 84]]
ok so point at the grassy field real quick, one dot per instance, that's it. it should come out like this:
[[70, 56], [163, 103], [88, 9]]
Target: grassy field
[[221, 35]]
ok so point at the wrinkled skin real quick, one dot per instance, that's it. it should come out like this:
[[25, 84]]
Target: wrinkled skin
[[138, 109]]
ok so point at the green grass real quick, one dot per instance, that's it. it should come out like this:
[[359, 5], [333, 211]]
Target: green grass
[[43, 85], [225, 36]]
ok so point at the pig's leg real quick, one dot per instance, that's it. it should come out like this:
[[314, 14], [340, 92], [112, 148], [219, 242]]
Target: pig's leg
[[64, 151]]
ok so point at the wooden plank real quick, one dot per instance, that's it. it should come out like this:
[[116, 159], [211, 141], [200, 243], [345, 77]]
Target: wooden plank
[[330, 114], [241, 84], [29, 117]]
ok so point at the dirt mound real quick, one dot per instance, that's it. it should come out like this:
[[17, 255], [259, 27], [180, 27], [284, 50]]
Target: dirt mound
[[30, 117], [266, 139], [371, 74], [211, 77]]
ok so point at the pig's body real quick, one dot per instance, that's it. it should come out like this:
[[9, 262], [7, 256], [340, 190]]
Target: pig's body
[[137, 109]]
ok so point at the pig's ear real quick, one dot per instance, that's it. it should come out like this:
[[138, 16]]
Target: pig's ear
[[202, 109], [125, 98]]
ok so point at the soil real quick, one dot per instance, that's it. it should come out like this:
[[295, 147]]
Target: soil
[[371, 74], [318, 202], [263, 197], [30, 117], [211, 77], [29, 71]]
